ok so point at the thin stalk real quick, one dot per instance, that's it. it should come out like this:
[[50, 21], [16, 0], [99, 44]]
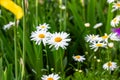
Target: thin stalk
[[57, 62], [1, 57], [36, 3], [1, 69], [15, 47], [65, 15], [61, 60], [60, 4], [15, 50], [24, 29], [47, 59], [61, 53], [78, 65]]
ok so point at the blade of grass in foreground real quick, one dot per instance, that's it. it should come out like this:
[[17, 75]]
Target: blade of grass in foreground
[[91, 12], [109, 18]]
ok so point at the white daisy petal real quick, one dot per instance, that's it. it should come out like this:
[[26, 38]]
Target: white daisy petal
[[110, 1], [8, 26], [97, 25]]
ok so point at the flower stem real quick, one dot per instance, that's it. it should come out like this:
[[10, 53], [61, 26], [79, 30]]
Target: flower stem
[[65, 17], [24, 29], [60, 4], [36, 12], [15, 50]]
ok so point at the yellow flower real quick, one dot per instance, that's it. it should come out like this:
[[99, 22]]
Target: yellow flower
[[12, 7]]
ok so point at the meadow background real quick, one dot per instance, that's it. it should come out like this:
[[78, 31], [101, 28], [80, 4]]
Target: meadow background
[[22, 59]]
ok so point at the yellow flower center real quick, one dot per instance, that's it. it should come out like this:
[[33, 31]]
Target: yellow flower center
[[41, 36], [42, 26], [118, 4], [50, 78], [58, 39], [99, 45], [114, 20], [104, 37], [109, 64], [93, 37], [78, 57]]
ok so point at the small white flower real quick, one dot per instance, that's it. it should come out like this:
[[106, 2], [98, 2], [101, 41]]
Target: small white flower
[[8, 26], [59, 40], [87, 24], [115, 21], [110, 65], [43, 27], [116, 6], [63, 7], [110, 1], [96, 45], [97, 25], [80, 71], [40, 36], [114, 37], [98, 60], [111, 44], [92, 38], [79, 58], [50, 77]]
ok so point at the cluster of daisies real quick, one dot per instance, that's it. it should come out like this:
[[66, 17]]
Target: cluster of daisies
[[107, 40], [55, 40]]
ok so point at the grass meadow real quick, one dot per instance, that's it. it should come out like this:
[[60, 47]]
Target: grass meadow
[[60, 40]]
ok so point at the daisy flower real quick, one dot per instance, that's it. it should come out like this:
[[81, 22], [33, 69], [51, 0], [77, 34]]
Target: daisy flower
[[40, 36], [115, 21], [59, 40], [92, 38], [63, 7], [110, 1], [97, 25], [114, 37], [110, 66], [8, 26], [96, 45], [79, 58], [87, 24], [50, 77], [43, 27], [105, 37], [116, 6]]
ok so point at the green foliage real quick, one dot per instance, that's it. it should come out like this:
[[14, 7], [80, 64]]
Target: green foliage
[[38, 60]]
